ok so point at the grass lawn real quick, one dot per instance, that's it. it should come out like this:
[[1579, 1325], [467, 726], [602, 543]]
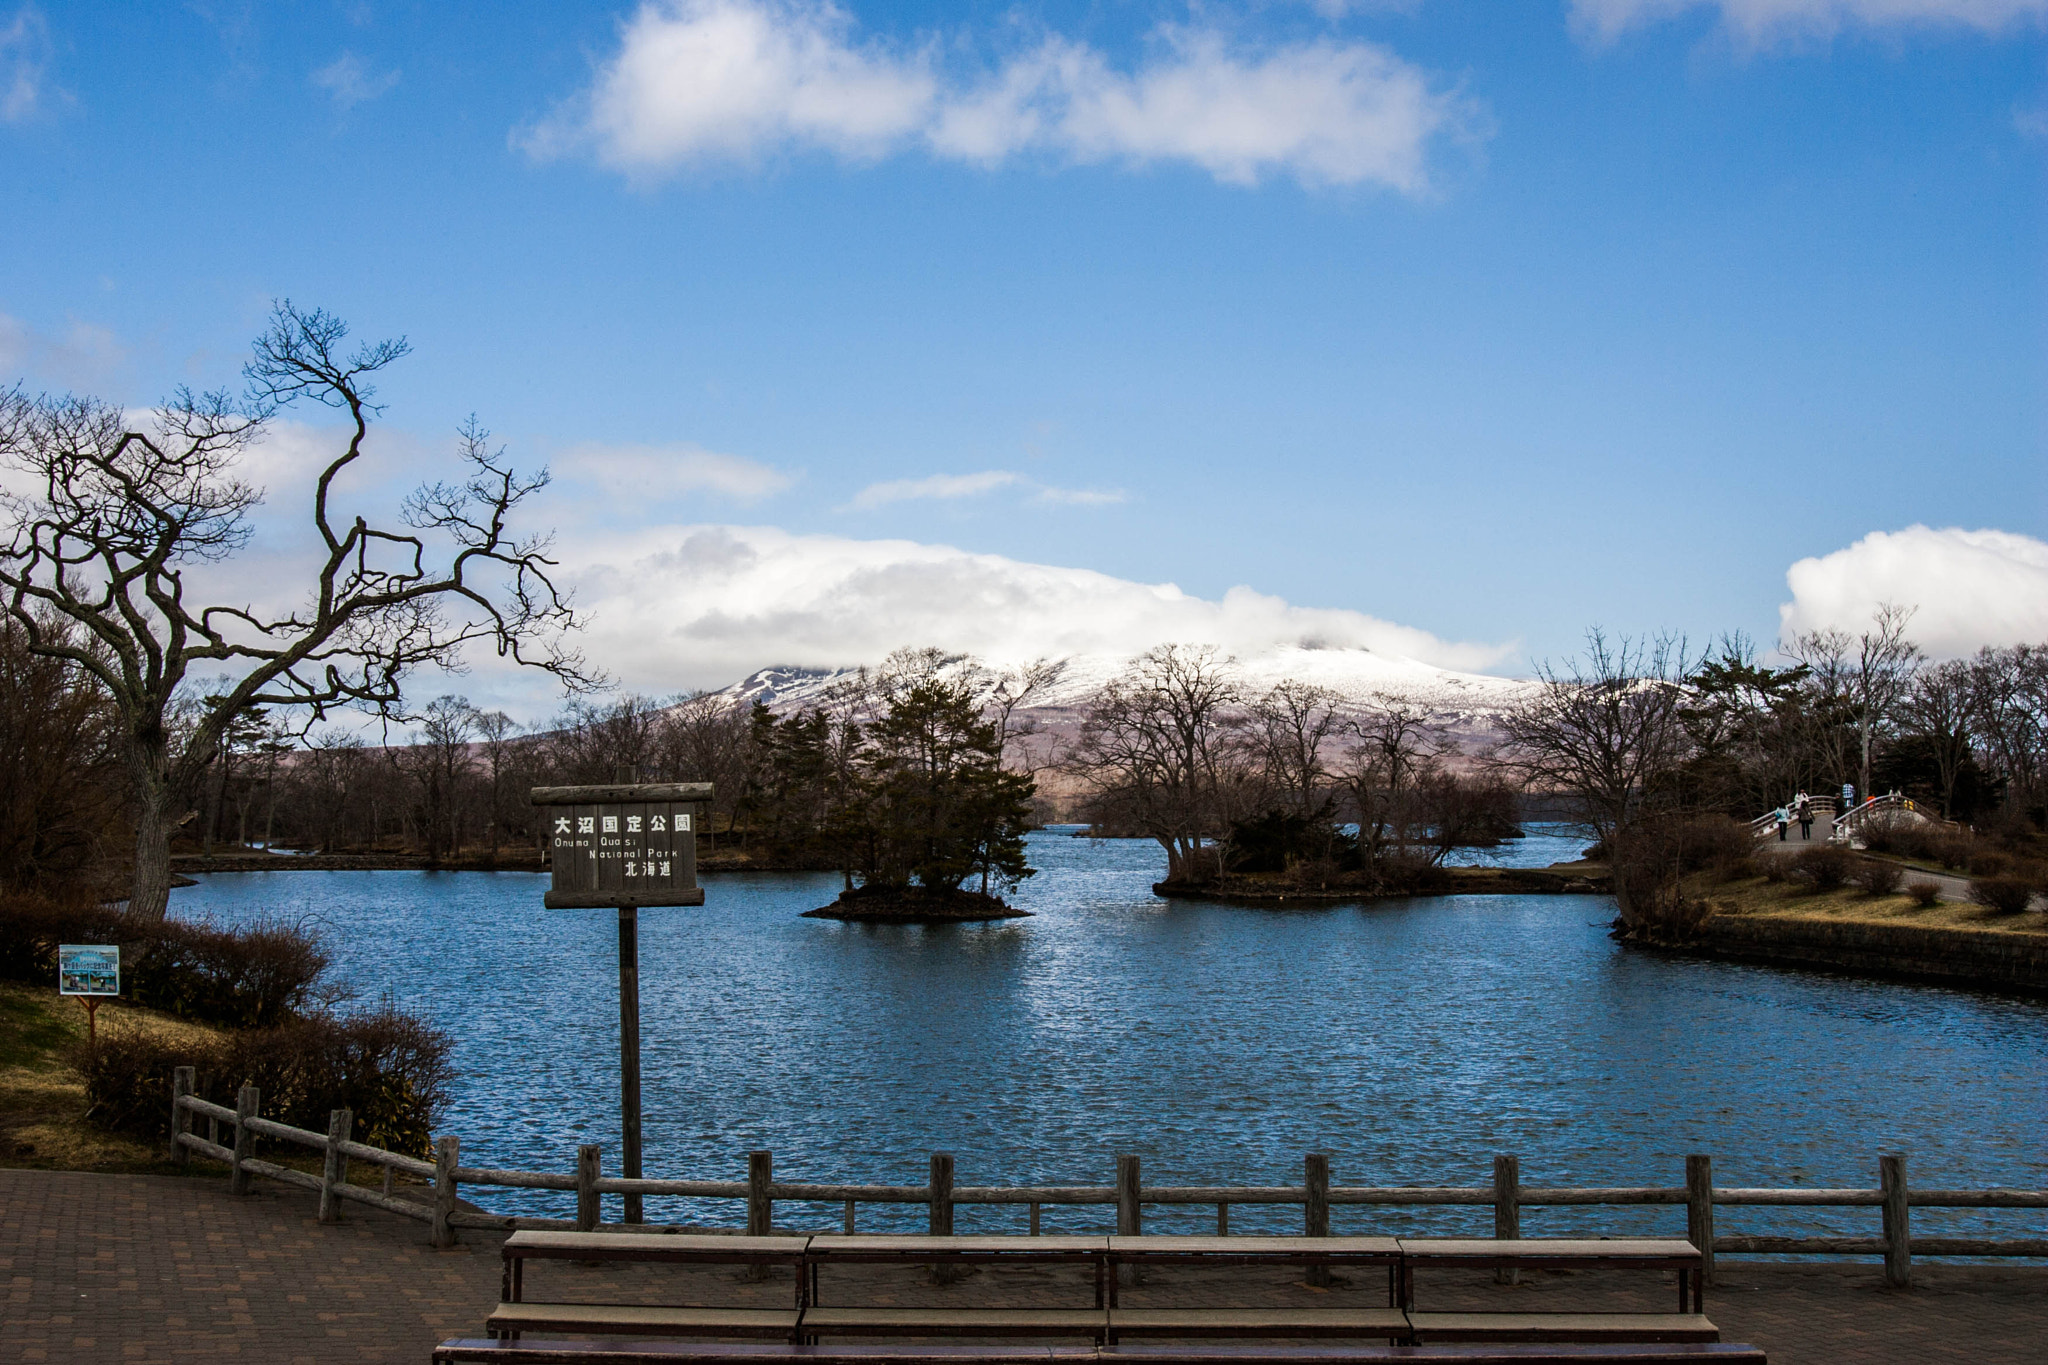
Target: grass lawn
[[1789, 900], [42, 1100]]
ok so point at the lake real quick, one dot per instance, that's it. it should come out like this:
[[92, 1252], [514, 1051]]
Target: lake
[[1412, 1040]]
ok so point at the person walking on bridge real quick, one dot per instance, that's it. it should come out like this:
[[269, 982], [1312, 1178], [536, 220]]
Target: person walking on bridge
[[1848, 797], [1805, 811], [1784, 822]]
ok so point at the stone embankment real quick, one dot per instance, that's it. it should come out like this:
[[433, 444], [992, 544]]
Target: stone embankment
[[1979, 957]]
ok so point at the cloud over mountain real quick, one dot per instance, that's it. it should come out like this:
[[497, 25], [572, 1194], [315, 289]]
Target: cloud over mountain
[[699, 606]]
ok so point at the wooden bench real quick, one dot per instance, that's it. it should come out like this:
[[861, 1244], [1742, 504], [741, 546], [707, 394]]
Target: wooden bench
[[1092, 1323], [862, 1249], [1616, 1327], [476, 1352], [1324, 1252], [1688, 1325], [515, 1315], [642, 1320], [1386, 1324]]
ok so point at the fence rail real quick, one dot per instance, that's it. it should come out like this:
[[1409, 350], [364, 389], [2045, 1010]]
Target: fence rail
[[760, 1192]]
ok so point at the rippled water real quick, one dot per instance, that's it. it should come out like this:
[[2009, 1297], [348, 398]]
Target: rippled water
[[1411, 1039]]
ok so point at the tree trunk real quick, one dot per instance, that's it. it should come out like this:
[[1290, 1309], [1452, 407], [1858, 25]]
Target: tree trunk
[[149, 896]]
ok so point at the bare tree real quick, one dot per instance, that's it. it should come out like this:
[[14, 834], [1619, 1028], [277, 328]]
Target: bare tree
[[495, 730], [1940, 710], [1607, 735], [1393, 749], [1154, 746], [1287, 729], [1873, 673], [118, 515]]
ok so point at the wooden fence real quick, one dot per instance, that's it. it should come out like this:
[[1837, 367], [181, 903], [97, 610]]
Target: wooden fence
[[1507, 1196]]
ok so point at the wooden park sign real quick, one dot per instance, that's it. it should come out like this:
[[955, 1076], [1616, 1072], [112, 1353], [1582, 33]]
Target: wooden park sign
[[624, 846], [629, 844]]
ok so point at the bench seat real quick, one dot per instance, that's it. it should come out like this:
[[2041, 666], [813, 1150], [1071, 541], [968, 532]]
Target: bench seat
[[1626, 1327], [471, 1352], [1092, 1323], [1388, 1323], [636, 1319]]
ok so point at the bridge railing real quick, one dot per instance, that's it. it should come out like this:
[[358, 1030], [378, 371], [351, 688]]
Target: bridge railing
[[1506, 1196]]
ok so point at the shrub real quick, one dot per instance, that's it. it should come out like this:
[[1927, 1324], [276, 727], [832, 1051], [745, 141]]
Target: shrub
[[1821, 868], [1985, 862], [1951, 849], [256, 977], [1876, 876], [390, 1068], [1923, 890], [2007, 895], [1774, 869]]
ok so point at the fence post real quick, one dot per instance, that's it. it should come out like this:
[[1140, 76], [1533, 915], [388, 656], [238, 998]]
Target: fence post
[[760, 1208], [1222, 1219], [940, 1223], [1898, 1232], [182, 1080], [1316, 1208], [849, 1218], [334, 1170], [1507, 1209], [446, 1157], [1699, 1211], [1130, 1216], [246, 1101], [589, 1210]]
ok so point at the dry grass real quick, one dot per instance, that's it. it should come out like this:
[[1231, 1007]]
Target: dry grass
[[42, 1101], [1785, 900]]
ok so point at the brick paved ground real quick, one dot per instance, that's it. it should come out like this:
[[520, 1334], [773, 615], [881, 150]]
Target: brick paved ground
[[148, 1268]]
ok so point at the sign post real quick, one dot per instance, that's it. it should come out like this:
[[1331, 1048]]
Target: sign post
[[624, 846], [91, 971]]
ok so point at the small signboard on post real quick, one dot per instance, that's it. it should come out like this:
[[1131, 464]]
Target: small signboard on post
[[623, 845], [88, 969], [91, 971]]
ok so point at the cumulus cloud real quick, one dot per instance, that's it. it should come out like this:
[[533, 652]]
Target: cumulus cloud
[[1970, 588], [654, 472], [24, 65], [703, 81], [1758, 20], [701, 606], [349, 82]]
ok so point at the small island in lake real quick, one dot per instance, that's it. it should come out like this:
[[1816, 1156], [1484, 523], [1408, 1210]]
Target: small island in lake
[[916, 905]]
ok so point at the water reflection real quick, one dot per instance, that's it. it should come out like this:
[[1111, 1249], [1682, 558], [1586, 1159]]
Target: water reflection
[[1412, 1040]]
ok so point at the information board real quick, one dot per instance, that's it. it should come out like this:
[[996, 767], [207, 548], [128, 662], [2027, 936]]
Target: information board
[[623, 845], [88, 969]]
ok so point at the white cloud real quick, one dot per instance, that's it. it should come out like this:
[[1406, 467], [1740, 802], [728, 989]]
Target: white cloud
[[350, 83], [953, 487], [1970, 588], [24, 64], [1758, 20], [698, 81], [654, 472], [702, 606], [935, 487]]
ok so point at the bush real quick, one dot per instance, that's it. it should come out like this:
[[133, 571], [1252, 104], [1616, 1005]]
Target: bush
[[391, 1069], [1951, 849], [1774, 869], [1985, 862], [1876, 876], [1821, 868], [2007, 895], [257, 977], [1924, 891]]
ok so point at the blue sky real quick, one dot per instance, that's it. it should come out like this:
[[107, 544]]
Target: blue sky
[[1494, 320]]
